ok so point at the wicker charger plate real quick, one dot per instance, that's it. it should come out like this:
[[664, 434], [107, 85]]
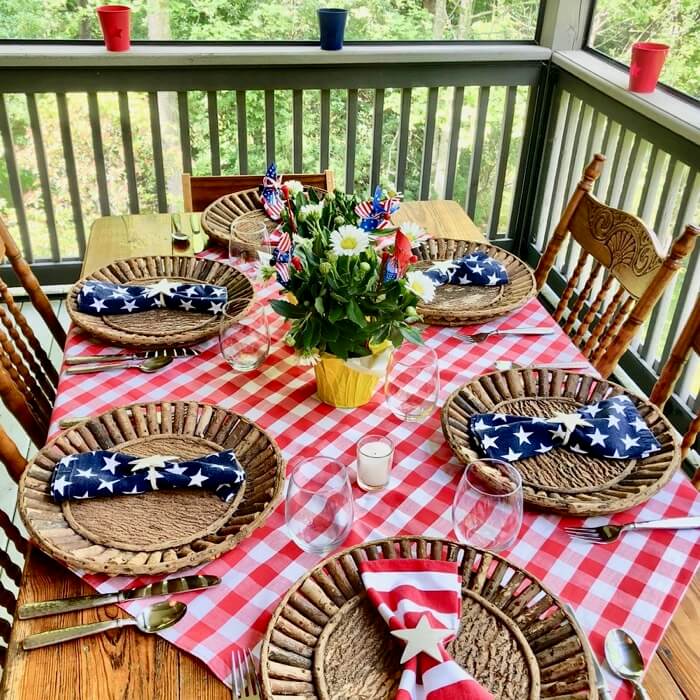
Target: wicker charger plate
[[161, 531], [458, 305], [160, 328], [561, 480], [326, 641]]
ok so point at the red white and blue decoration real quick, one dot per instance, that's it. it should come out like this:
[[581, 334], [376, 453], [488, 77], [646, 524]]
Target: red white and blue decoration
[[281, 257], [477, 268], [420, 602], [375, 214], [609, 429], [105, 298], [396, 263], [271, 196], [104, 473]]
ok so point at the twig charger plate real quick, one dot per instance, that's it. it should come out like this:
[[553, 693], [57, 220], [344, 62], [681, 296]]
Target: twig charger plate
[[563, 481], [160, 328], [326, 641], [459, 305], [161, 531]]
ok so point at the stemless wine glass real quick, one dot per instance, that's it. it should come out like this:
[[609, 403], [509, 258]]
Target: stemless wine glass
[[412, 382], [247, 233], [318, 507], [244, 342], [487, 511]]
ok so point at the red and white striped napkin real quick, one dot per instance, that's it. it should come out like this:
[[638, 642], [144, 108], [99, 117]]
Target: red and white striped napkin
[[408, 593]]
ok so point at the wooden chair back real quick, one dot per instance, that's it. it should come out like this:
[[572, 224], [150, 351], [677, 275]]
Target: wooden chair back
[[619, 275], [28, 378], [687, 343], [200, 192]]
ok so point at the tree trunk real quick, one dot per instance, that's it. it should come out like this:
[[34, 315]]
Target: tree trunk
[[464, 19], [440, 19]]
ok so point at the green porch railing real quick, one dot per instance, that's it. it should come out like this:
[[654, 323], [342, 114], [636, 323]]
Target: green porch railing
[[651, 172]]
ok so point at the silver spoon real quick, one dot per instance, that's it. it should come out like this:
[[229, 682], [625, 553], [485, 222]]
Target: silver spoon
[[150, 364], [625, 659], [154, 618]]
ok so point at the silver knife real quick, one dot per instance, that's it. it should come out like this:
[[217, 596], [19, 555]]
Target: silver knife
[[161, 588], [118, 356], [603, 692]]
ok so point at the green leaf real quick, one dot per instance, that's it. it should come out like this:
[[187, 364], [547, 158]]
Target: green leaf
[[318, 304], [355, 313], [284, 308], [411, 334]]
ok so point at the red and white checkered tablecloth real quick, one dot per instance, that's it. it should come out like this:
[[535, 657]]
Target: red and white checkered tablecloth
[[636, 583]]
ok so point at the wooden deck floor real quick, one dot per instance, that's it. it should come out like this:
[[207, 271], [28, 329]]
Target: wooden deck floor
[[671, 675]]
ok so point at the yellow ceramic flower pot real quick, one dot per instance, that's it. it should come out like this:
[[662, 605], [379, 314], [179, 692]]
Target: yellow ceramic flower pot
[[342, 386]]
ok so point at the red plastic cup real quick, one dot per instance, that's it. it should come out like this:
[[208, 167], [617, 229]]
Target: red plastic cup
[[115, 21], [647, 60]]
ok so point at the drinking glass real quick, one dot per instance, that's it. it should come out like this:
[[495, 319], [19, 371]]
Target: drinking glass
[[487, 511], [244, 342], [412, 382], [318, 507], [246, 232]]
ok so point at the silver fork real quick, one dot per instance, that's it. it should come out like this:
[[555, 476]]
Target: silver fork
[[605, 534], [523, 330], [244, 678]]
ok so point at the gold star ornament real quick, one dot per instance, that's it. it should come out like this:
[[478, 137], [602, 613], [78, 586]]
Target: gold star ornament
[[422, 639]]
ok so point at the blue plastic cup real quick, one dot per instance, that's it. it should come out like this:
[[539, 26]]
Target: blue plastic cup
[[332, 25]]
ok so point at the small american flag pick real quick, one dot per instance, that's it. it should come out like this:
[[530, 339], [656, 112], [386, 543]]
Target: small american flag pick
[[375, 214], [609, 429], [105, 299], [270, 193], [420, 601], [478, 269], [105, 473], [281, 257]]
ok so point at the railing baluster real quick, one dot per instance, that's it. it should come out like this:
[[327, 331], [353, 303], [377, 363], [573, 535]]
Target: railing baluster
[[428, 143], [40, 153], [15, 184], [503, 152], [270, 126], [377, 130], [98, 153], [185, 142], [128, 144], [455, 126], [351, 141], [612, 134], [242, 130], [668, 199], [157, 142], [688, 379], [651, 185], [71, 173], [298, 130], [592, 133], [477, 149], [404, 124], [214, 148], [619, 167], [650, 350], [627, 192]]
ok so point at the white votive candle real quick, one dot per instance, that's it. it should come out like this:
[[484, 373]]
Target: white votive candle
[[375, 455]]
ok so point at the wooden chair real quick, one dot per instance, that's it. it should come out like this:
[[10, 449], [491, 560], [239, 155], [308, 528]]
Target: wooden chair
[[28, 378], [688, 342], [200, 192], [626, 266]]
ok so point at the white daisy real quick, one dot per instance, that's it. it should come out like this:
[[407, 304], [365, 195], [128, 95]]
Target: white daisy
[[421, 285], [349, 240], [310, 211], [294, 187], [414, 232], [309, 358]]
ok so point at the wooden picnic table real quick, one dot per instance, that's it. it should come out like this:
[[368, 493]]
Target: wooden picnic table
[[126, 664]]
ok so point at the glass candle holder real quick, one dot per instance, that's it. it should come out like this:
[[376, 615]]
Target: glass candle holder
[[375, 457]]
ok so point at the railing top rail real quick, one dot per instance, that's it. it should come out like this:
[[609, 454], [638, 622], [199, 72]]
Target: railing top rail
[[142, 55]]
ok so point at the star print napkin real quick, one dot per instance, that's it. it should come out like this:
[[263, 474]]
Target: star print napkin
[[420, 601], [609, 429], [105, 473], [478, 269], [105, 298]]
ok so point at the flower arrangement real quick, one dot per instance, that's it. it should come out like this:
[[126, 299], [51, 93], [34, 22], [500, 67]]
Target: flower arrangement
[[346, 271]]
